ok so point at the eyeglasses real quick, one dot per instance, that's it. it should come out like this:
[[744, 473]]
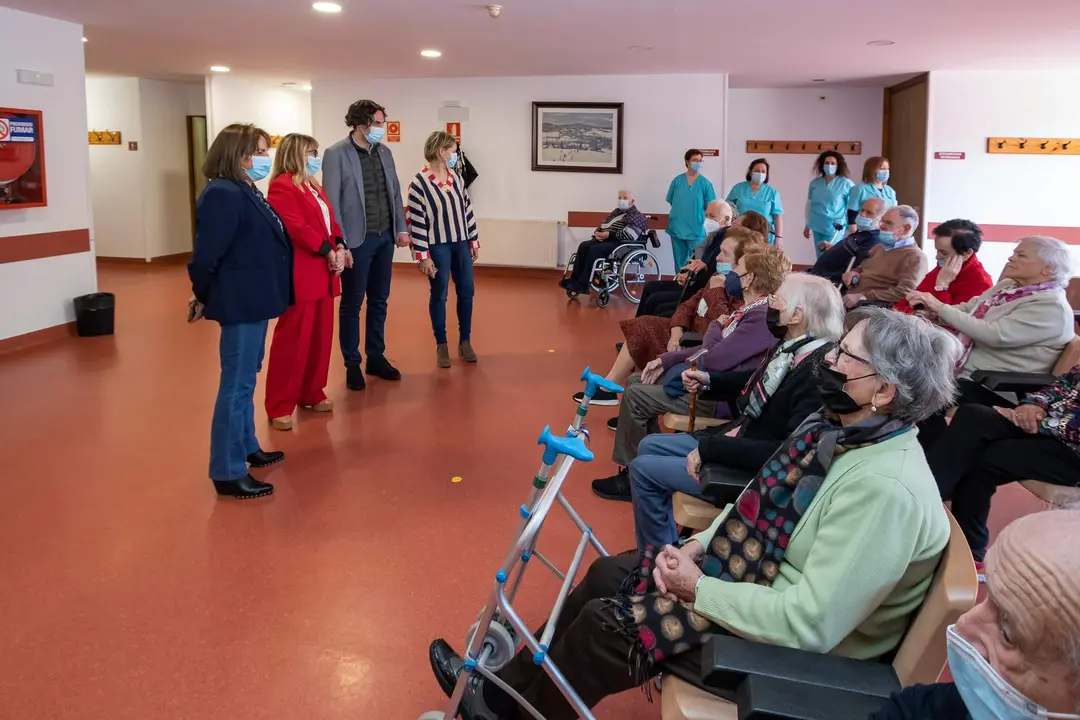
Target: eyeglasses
[[841, 351]]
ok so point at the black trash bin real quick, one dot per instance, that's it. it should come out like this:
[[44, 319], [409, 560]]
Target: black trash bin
[[95, 314]]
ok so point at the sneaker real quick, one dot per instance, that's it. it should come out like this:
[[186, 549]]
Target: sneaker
[[602, 397], [613, 424], [616, 487]]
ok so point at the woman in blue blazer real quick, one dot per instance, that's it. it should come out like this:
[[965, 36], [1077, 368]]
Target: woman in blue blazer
[[241, 276]]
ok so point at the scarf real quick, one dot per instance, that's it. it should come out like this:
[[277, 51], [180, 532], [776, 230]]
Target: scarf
[[764, 382], [1001, 297], [733, 321], [749, 546]]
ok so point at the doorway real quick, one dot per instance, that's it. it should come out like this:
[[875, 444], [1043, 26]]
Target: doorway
[[906, 113], [197, 146]]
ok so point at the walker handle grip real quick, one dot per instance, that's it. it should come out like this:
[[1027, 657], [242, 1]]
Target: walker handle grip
[[555, 445], [593, 381]]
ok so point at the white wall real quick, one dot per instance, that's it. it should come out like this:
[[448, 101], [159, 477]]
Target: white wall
[[1027, 190], [37, 294], [263, 101], [657, 131], [799, 114]]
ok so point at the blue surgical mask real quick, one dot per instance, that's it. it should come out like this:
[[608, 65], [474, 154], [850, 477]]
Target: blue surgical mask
[[887, 239], [830, 169], [864, 223], [376, 134], [987, 695], [941, 262], [695, 166], [758, 178], [314, 165], [882, 176], [452, 161], [733, 285], [260, 167], [624, 204], [723, 268]]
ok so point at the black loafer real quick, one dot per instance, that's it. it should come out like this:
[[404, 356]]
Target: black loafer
[[446, 664], [261, 458], [354, 378], [616, 487], [382, 369], [245, 488], [618, 347], [613, 424]]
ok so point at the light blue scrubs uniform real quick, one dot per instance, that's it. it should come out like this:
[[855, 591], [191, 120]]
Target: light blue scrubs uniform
[[686, 221], [864, 191], [765, 201], [828, 207]]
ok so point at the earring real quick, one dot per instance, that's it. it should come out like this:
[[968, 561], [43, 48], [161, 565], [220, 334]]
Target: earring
[[873, 407]]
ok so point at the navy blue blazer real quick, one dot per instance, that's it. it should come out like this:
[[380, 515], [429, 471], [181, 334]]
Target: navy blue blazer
[[833, 263], [241, 267]]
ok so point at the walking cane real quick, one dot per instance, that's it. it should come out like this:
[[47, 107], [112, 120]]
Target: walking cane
[[693, 396]]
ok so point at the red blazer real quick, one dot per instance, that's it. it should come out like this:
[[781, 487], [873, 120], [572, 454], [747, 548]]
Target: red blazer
[[303, 220], [972, 281]]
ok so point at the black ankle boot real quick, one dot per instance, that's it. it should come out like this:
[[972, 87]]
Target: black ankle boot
[[245, 488], [261, 458]]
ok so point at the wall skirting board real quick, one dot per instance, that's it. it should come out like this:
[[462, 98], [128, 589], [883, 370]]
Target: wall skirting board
[[17, 248], [38, 337]]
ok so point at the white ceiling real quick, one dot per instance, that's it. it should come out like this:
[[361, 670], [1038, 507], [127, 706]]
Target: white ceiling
[[760, 42]]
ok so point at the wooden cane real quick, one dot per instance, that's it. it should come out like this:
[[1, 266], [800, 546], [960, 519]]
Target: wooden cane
[[693, 401]]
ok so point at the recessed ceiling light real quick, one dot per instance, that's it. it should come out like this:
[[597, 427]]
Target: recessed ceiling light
[[85, 40], [431, 53], [880, 43], [326, 7], [639, 48], [219, 68]]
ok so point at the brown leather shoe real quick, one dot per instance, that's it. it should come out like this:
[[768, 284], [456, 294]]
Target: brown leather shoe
[[466, 352], [282, 423], [325, 406], [443, 355]]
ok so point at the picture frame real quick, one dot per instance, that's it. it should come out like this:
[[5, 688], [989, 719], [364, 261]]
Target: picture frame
[[577, 137], [22, 159]]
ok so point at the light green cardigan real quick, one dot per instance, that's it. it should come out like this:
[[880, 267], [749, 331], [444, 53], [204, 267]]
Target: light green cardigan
[[858, 565]]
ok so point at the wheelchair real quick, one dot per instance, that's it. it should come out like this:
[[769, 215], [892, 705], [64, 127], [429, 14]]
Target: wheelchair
[[629, 267]]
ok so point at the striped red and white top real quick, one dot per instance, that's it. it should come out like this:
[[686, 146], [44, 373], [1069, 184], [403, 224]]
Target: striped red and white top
[[439, 213]]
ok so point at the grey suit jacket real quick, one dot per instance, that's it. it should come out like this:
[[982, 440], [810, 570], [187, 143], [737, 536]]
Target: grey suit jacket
[[343, 180]]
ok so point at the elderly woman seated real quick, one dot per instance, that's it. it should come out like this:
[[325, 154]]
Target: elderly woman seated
[[738, 342], [648, 336], [987, 447], [830, 549], [894, 266], [1014, 655], [849, 253], [959, 276], [1020, 325], [807, 316], [661, 297], [625, 224]]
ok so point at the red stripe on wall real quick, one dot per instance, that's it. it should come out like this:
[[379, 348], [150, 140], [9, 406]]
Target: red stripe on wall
[[17, 248], [1012, 233]]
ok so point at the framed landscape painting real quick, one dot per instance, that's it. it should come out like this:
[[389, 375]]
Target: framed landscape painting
[[577, 137]]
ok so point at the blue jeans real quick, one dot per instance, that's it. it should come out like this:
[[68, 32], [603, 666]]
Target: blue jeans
[[373, 262], [657, 473], [232, 432], [452, 260]]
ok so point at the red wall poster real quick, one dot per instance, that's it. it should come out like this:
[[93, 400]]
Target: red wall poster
[[22, 159]]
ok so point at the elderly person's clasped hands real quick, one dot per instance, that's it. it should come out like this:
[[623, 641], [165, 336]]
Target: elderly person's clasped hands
[[677, 572]]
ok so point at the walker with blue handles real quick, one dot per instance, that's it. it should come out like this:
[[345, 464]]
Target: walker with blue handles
[[492, 641]]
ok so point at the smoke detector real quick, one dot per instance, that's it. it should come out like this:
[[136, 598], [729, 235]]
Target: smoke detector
[[494, 10]]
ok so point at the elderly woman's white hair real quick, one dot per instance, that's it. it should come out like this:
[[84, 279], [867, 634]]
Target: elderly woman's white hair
[[820, 302], [1055, 254], [915, 356]]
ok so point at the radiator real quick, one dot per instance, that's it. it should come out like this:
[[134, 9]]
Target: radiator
[[519, 243]]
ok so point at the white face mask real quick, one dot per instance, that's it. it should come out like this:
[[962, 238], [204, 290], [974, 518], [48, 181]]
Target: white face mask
[[711, 226], [702, 307], [986, 694]]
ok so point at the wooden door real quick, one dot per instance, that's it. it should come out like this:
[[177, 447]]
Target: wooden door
[[907, 109]]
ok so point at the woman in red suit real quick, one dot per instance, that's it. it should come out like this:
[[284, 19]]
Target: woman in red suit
[[300, 352]]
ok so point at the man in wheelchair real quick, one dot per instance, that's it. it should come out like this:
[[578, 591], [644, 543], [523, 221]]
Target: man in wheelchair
[[624, 225]]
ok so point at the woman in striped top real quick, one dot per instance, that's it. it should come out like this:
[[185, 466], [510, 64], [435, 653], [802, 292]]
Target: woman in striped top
[[444, 241]]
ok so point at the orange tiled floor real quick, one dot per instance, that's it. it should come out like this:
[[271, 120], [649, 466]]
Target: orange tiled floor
[[130, 592]]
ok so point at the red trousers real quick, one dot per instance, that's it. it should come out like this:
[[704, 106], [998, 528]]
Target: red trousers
[[300, 357]]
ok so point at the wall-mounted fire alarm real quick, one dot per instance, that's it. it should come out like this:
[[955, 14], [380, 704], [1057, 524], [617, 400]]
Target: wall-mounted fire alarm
[[133, 145]]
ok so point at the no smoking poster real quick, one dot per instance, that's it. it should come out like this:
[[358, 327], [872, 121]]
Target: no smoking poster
[[22, 159]]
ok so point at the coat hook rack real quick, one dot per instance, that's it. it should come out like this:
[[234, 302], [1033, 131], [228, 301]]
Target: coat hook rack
[[103, 137], [1032, 146], [803, 147]]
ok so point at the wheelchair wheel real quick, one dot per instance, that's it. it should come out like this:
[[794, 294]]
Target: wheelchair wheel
[[638, 268], [603, 298]]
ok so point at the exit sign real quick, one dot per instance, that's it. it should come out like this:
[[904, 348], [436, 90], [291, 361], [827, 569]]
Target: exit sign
[[950, 156]]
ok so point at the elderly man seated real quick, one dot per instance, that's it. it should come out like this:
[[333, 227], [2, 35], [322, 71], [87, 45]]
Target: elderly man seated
[[735, 343], [807, 317], [849, 253], [894, 266], [1017, 653], [959, 276], [625, 224], [830, 549]]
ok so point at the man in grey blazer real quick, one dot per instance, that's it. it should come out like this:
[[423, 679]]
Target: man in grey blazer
[[362, 183]]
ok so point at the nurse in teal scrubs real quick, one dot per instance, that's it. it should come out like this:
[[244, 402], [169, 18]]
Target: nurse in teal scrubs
[[827, 199], [756, 194], [875, 178], [688, 196]]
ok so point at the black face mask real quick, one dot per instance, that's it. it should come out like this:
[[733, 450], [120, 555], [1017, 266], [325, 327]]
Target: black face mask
[[772, 321], [831, 384]]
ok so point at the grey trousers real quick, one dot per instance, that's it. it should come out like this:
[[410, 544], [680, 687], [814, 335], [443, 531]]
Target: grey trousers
[[641, 405]]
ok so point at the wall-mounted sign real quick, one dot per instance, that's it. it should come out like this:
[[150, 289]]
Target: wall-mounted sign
[[709, 152], [454, 128], [950, 155], [133, 145], [393, 131], [103, 137], [22, 159]]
